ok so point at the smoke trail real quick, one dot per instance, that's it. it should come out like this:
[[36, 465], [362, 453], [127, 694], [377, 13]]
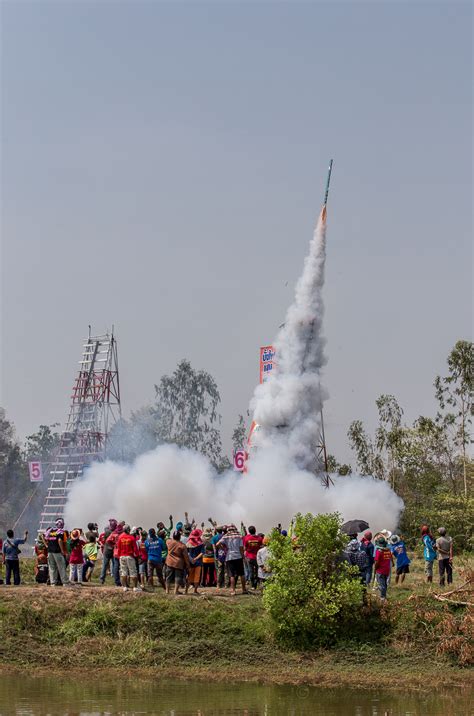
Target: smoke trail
[[280, 480], [287, 407]]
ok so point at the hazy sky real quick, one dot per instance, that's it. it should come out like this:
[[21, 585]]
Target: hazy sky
[[163, 165]]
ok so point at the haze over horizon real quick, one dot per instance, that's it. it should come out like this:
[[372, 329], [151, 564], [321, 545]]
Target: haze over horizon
[[163, 168]]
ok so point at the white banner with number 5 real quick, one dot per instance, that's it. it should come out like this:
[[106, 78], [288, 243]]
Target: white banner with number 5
[[36, 472]]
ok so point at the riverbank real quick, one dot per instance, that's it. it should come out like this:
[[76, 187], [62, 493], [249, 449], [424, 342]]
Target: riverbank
[[420, 643]]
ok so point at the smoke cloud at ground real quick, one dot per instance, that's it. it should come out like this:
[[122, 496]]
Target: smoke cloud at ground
[[280, 480], [169, 480]]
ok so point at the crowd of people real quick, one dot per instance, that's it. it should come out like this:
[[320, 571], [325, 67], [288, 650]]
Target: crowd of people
[[187, 557]]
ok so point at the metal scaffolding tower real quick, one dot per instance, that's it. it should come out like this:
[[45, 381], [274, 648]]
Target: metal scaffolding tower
[[95, 406]]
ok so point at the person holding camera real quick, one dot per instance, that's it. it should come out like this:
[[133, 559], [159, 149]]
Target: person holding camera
[[11, 552]]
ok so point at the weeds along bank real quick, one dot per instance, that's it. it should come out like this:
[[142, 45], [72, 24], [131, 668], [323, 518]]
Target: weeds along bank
[[215, 637]]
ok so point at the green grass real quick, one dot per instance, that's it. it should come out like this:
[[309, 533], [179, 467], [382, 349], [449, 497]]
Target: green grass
[[188, 636]]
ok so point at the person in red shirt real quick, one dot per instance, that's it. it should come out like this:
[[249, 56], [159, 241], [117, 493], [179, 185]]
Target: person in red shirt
[[76, 559], [127, 553], [383, 565], [252, 543]]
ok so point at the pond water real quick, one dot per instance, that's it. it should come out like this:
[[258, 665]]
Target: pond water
[[79, 696]]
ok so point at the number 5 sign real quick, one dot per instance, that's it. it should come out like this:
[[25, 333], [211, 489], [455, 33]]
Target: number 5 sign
[[240, 457], [36, 472]]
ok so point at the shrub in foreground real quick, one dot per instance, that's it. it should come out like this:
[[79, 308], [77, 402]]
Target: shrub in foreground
[[313, 595]]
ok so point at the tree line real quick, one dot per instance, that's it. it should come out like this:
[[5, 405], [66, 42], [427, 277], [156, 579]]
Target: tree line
[[427, 463]]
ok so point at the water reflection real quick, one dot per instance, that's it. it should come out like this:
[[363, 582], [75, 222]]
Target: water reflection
[[79, 696]]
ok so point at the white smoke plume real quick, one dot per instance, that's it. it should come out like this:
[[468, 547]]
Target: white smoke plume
[[280, 480], [169, 480], [288, 406]]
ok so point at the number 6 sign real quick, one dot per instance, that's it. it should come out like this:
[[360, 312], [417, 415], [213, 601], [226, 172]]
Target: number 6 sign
[[36, 472], [240, 457]]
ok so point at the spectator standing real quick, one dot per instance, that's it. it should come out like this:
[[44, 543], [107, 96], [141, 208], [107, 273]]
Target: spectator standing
[[234, 557], [367, 546], [219, 554], [444, 546], [56, 540], [155, 546], [11, 552], [208, 560], [399, 551], [41, 560], [177, 560], [127, 554], [429, 551], [195, 549], [90, 552], [252, 543], [263, 562], [357, 557], [76, 558], [383, 565]]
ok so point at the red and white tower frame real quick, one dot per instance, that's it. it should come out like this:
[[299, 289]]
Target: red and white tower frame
[[95, 406]]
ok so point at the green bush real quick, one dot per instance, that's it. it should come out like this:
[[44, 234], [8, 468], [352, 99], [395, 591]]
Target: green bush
[[312, 596]]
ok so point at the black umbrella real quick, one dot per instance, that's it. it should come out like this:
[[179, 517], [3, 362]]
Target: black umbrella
[[354, 526]]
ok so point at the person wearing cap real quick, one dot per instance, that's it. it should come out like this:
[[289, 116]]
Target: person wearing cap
[[399, 551], [234, 557], [127, 553], [429, 551], [383, 565], [56, 540], [444, 547], [76, 558], [367, 546]]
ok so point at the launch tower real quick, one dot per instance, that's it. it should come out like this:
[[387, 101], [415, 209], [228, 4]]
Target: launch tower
[[94, 407]]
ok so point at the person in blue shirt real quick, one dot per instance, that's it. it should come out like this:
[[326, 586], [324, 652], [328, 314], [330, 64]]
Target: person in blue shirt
[[429, 551], [399, 551], [10, 553], [155, 547]]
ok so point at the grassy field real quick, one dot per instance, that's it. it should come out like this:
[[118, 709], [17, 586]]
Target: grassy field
[[215, 636]]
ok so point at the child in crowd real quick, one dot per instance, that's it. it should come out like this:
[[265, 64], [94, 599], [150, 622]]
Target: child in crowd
[[90, 553], [41, 561]]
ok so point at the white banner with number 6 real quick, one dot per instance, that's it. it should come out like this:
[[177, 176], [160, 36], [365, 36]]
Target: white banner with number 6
[[36, 472]]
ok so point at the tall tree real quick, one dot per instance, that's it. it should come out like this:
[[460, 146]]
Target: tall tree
[[186, 412], [42, 444], [454, 393], [130, 438], [239, 436]]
